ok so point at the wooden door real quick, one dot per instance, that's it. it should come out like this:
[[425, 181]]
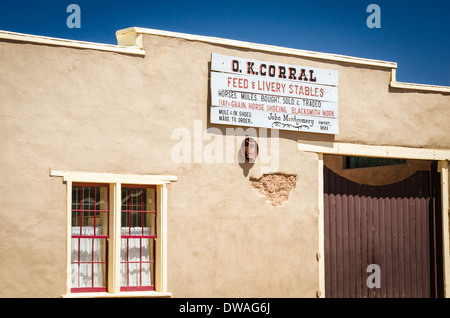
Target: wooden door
[[395, 227]]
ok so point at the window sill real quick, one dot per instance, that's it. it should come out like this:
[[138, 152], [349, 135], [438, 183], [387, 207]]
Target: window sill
[[139, 294]]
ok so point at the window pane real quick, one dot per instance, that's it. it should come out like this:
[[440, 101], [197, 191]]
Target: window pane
[[150, 224], [134, 276], [135, 219], [74, 275], [101, 223], [85, 271], [76, 223], [139, 223], [151, 199], [138, 199], [85, 279], [148, 250], [89, 210], [100, 275], [134, 250], [137, 256], [133, 199], [147, 276], [85, 249], [123, 274], [136, 216], [123, 250], [366, 162], [99, 250], [75, 249], [76, 195]]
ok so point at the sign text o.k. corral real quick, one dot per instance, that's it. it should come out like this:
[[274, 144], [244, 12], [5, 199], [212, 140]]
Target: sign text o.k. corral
[[246, 92]]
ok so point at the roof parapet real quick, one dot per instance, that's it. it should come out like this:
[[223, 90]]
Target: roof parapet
[[28, 38], [126, 37]]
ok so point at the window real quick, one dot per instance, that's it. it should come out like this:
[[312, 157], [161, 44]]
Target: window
[[366, 162], [138, 234], [90, 219], [117, 233]]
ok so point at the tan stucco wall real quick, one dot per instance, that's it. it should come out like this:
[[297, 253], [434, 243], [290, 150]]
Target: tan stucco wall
[[55, 112], [380, 115], [84, 110]]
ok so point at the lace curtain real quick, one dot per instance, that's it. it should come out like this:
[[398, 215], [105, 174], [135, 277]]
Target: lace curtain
[[135, 257]]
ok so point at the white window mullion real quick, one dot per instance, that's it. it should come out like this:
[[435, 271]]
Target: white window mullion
[[161, 242], [114, 255], [163, 256]]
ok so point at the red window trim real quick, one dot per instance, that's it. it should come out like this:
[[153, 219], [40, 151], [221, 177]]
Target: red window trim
[[137, 288], [88, 290]]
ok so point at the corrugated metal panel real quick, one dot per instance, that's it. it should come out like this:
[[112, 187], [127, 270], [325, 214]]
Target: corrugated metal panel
[[384, 225]]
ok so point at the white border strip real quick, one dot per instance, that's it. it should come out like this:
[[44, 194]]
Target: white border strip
[[420, 87], [373, 151], [21, 37], [321, 228], [112, 177]]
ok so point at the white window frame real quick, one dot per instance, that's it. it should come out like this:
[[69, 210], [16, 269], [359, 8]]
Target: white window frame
[[115, 182]]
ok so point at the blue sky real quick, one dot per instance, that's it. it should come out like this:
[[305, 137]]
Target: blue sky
[[414, 33]]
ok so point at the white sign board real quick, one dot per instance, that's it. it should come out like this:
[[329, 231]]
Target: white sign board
[[254, 93]]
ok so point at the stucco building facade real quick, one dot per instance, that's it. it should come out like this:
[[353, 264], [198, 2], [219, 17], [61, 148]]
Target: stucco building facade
[[79, 116]]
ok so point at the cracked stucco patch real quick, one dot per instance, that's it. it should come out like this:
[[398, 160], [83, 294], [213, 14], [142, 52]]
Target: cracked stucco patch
[[276, 187]]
